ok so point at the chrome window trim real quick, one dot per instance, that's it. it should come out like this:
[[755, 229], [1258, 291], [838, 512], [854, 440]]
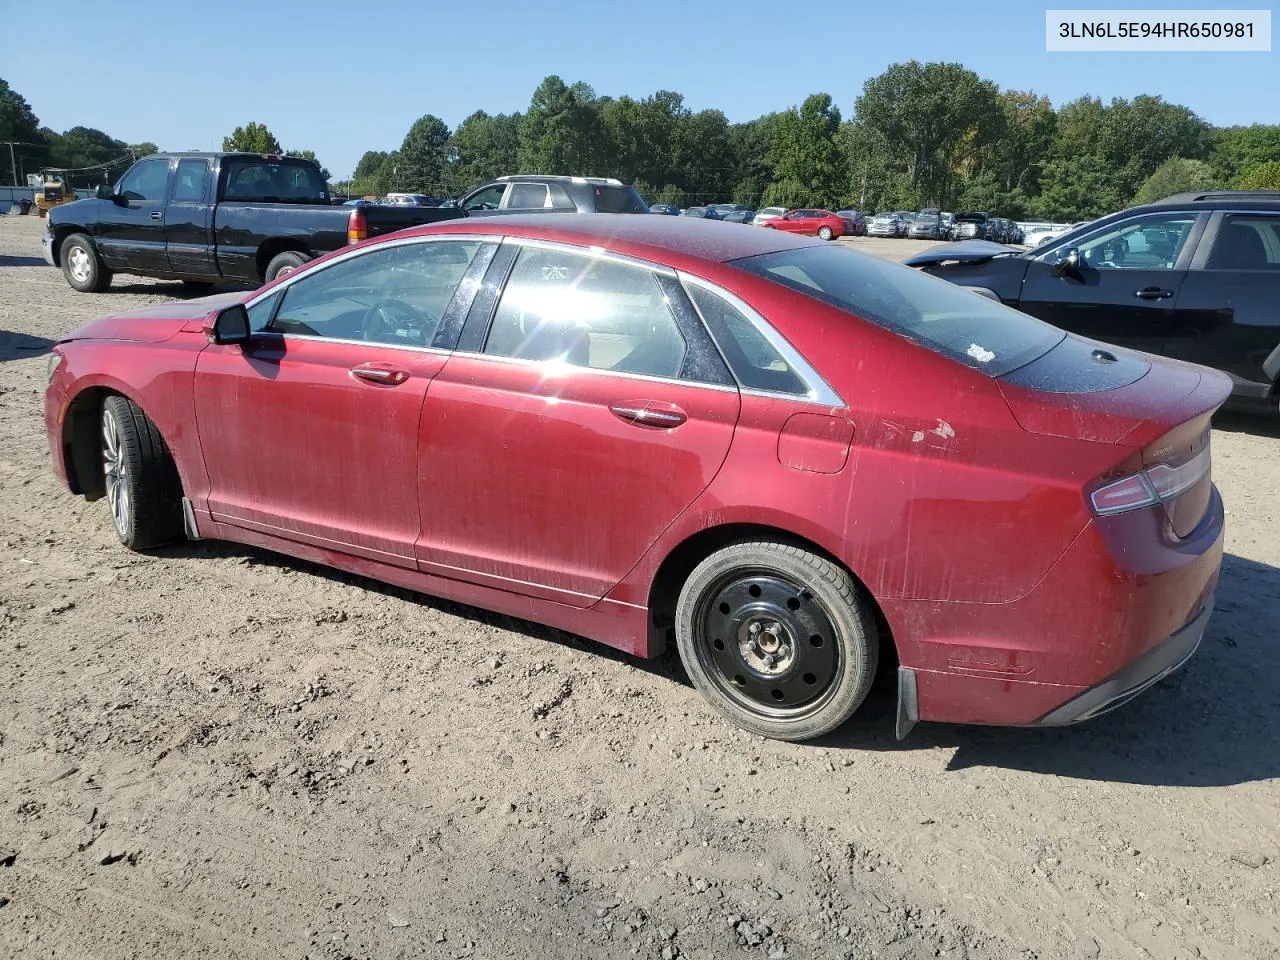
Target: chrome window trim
[[593, 252], [371, 344], [353, 252], [575, 369], [820, 392], [511, 188]]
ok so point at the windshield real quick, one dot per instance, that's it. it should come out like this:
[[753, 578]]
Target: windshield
[[273, 181], [948, 319]]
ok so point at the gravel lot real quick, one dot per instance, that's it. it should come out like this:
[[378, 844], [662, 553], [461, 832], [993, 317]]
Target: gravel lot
[[219, 752]]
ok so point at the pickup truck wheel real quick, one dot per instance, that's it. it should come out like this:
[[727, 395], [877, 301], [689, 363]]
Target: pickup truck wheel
[[285, 263], [81, 265]]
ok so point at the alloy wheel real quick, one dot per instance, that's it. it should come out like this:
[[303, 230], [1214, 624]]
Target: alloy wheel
[[115, 470]]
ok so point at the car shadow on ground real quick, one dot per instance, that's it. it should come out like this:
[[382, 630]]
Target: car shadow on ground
[[178, 291], [20, 346], [8, 261], [1214, 723], [1262, 421]]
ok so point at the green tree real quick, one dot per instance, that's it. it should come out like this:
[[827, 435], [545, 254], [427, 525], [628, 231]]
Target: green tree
[[701, 157], [808, 167], [1237, 149], [563, 131], [1176, 175], [389, 178], [423, 156], [931, 114], [17, 122], [143, 149], [1262, 176], [369, 164], [252, 138], [484, 147], [310, 155]]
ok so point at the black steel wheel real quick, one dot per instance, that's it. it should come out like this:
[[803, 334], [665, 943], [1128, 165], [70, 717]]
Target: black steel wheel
[[777, 638]]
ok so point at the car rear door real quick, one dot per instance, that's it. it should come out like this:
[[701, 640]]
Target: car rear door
[[130, 236], [1125, 289], [585, 408], [188, 222], [1228, 313], [310, 433]]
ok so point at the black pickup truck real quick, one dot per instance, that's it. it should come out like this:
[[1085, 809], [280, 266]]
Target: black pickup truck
[[205, 217]]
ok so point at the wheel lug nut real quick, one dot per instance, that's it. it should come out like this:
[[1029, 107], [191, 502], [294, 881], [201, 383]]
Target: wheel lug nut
[[755, 627]]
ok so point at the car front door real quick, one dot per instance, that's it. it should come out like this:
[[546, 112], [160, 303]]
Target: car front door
[[1125, 287], [188, 220], [1229, 308], [130, 235], [578, 418], [311, 432]]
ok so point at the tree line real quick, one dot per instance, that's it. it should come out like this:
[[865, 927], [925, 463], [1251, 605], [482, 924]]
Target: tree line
[[932, 134]]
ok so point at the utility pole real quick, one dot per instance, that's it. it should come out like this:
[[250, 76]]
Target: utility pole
[[13, 164]]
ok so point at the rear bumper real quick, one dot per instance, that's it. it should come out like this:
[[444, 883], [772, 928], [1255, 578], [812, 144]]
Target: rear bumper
[[1118, 689], [1124, 606]]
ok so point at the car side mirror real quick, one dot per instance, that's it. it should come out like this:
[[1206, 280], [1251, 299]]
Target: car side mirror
[[230, 325], [1068, 264], [103, 192]]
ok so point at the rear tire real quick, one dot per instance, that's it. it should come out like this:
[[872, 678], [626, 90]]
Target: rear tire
[[285, 263], [824, 233], [82, 266], [778, 639], [143, 490]]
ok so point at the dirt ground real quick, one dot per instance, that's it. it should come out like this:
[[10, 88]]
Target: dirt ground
[[216, 752]]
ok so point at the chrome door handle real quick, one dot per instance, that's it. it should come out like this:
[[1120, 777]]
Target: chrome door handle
[[643, 416], [1153, 293], [386, 376], [157, 215]]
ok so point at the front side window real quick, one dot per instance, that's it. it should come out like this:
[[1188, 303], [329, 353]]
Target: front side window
[[527, 196], [1246, 242], [146, 181], [941, 316], [588, 312], [390, 295], [490, 198], [1148, 243], [188, 186]]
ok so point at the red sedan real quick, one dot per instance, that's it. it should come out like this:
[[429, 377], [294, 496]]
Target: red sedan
[[789, 457], [822, 224]]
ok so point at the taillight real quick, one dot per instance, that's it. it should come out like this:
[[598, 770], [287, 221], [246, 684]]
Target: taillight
[[357, 226], [1155, 483]]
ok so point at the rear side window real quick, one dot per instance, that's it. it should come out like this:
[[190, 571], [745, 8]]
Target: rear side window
[[755, 362], [619, 200], [1246, 242], [560, 199], [948, 319], [527, 196], [188, 186], [273, 181]]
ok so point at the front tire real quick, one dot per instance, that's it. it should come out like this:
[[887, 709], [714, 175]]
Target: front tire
[[824, 233], [778, 639], [285, 263], [142, 485], [82, 266]]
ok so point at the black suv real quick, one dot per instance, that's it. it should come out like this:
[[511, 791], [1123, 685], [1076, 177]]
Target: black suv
[[1195, 276], [531, 193]]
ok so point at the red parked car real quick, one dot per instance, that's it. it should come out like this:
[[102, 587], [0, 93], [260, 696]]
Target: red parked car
[[822, 224], [789, 457]]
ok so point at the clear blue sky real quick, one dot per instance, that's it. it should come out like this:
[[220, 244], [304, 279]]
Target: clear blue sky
[[342, 78]]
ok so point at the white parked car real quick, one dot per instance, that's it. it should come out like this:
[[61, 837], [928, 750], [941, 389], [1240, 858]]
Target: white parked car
[[768, 213]]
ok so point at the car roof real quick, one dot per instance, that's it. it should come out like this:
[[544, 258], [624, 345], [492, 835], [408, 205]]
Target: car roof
[[662, 239], [1268, 198]]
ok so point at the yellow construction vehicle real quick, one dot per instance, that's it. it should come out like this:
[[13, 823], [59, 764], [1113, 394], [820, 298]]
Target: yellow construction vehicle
[[52, 188]]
